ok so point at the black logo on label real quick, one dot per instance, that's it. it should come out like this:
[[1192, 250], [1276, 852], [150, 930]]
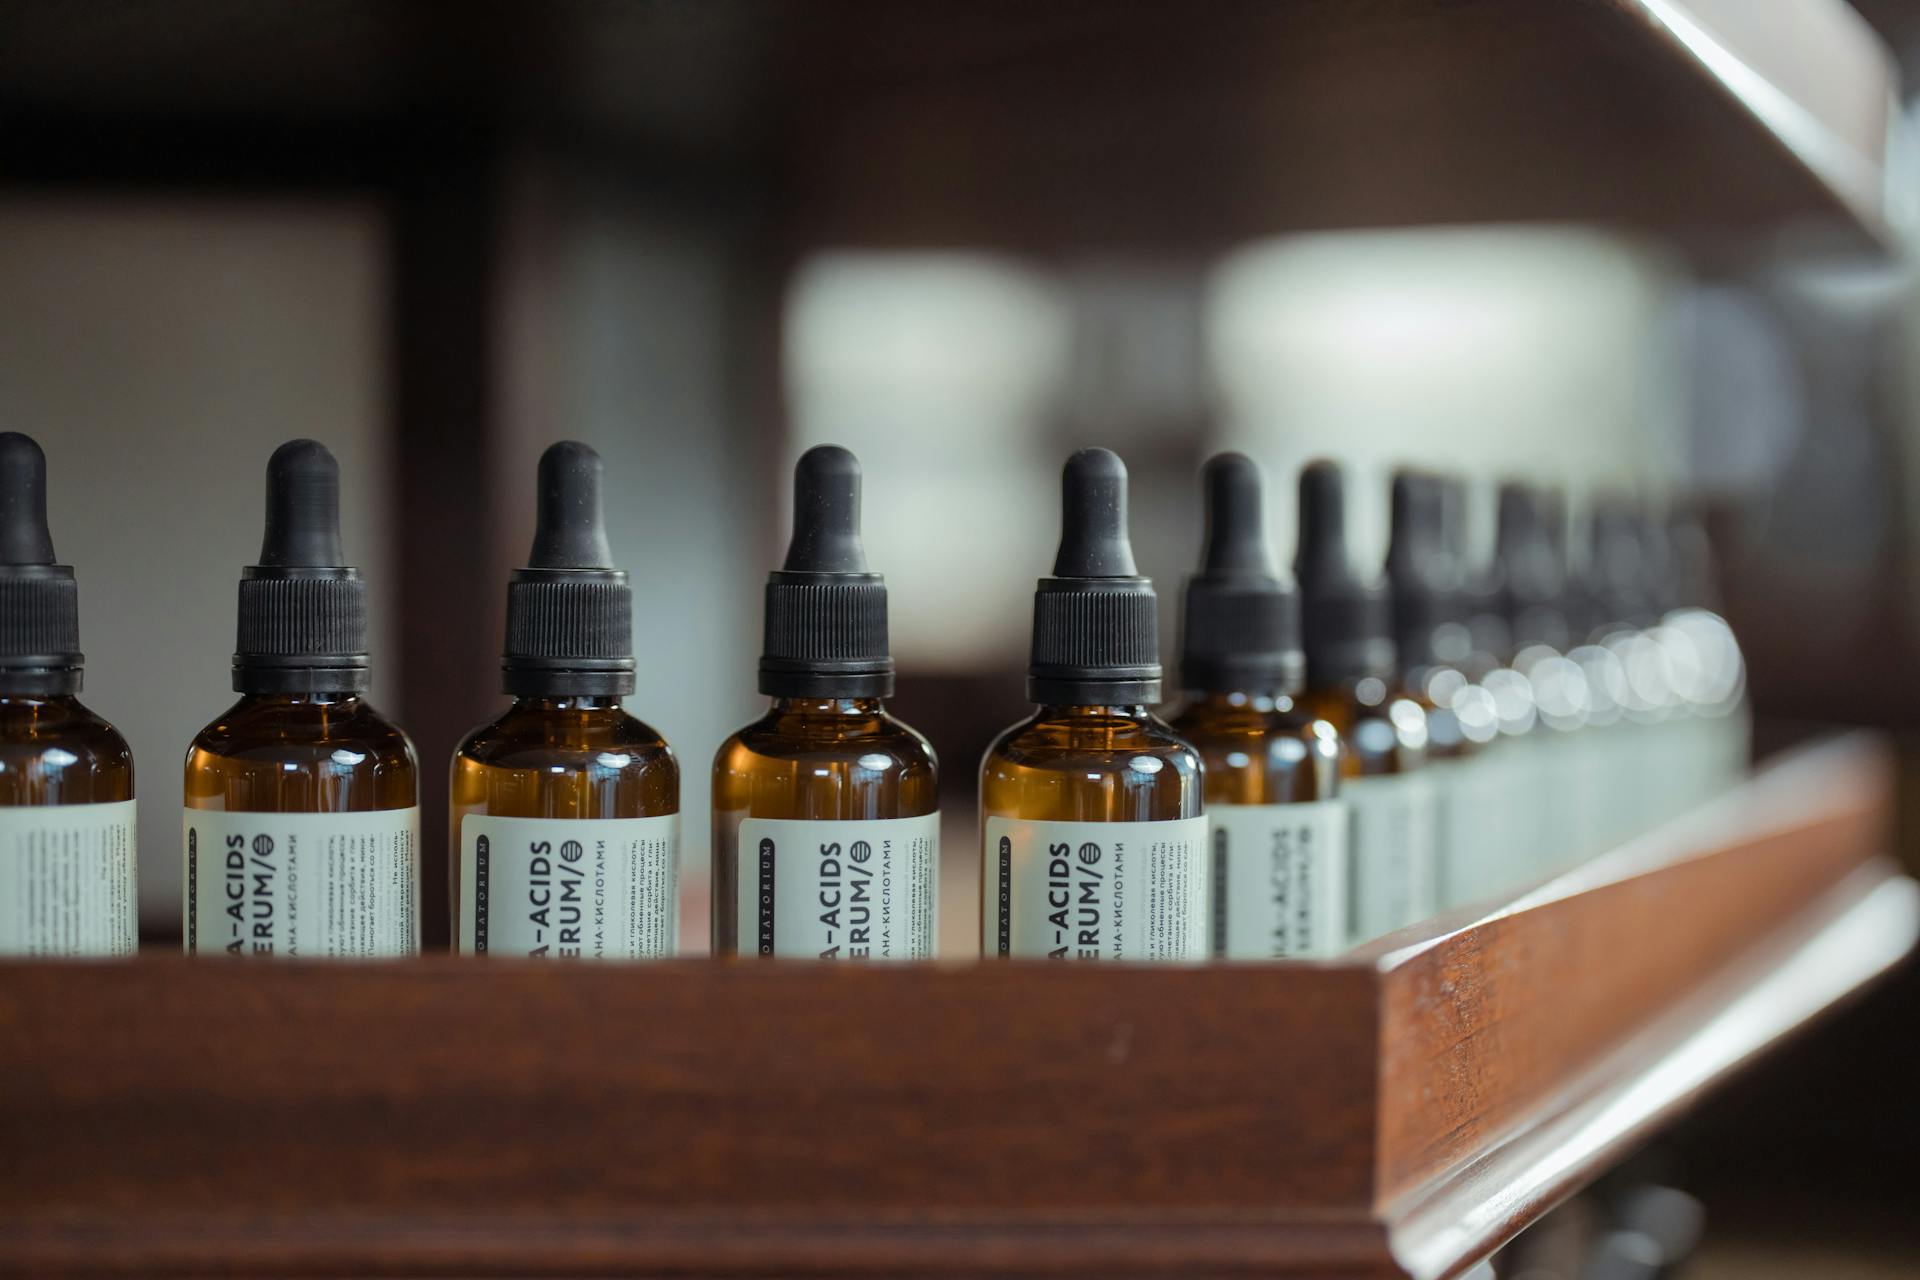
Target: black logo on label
[[766, 897], [1006, 895], [482, 884], [193, 890], [1219, 891]]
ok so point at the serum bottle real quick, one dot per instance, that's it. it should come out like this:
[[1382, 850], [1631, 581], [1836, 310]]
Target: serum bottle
[[565, 815], [302, 823], [1351, 681], [1278, 828], [1432, 643], [1095, 839], [826, 824], [67, 868]]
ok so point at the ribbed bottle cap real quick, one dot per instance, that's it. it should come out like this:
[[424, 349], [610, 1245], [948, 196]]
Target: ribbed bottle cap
[[1424, 575], [569, 611], [1240, 630], [1096, 635], [1346, 622], [1532, 586], [303, 611], [826, 614], [39, 602]]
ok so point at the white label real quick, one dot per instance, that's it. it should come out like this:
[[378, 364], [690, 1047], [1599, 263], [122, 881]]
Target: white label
[[570, 888], [303, 884], [1392, 852], [858, 890], [1096, 890], [1279, 879], [67, 883], [1477, 840]]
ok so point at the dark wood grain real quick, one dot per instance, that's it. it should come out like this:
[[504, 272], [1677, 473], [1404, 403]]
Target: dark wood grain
[[1052, 128], [1492, 1018], [442, 1117]]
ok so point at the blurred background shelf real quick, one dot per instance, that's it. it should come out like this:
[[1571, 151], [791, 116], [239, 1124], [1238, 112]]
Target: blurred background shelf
[[1613, 245], [1398, 1112], [1095, 123]]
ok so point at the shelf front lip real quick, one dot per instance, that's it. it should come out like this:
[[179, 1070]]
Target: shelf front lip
[[1859, 931], [1377, 1173]]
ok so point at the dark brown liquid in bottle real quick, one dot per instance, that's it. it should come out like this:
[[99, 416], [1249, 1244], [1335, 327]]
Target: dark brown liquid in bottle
[[822, 759], [558, 757]]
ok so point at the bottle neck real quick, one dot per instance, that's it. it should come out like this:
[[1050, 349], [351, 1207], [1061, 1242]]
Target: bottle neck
[[341, 701], [1231, 700], [29, 702], [861, 708], [569, 703], [45, 684], [1096, 711]]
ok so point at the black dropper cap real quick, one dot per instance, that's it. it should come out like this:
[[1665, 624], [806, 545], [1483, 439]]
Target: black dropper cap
[[1616, 565], [1531, 583], [1346, 621], [1424, 573], [39, 602], [1241, 629], [303, 611], [1095, 620], [569, 611], [826, 615]]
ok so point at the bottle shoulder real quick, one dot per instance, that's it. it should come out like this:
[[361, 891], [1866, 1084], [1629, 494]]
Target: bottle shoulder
[[59, 736], [1389, 735], [519, 739], [1092, 744], [784, 737], [1202, 724], [255, 729]]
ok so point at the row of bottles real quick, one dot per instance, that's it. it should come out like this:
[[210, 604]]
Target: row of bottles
[[1351, 753]]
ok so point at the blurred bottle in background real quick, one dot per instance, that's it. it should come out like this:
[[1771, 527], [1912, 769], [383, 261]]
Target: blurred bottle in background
[[1352, 682]]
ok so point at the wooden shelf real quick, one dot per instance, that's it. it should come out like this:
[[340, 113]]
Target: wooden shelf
[[1397, 1112], [1078, 125]]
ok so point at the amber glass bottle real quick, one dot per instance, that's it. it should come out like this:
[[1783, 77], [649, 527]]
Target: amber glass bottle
[[1434, 646], [1091, 809], [67, 867], [565, 817], [1352, 682], [1278, 832], [826, 824], [302, 824]]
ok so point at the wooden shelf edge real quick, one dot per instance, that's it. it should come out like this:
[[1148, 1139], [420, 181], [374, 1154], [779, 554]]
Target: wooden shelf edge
[[1857, 932], [1391, 1113]]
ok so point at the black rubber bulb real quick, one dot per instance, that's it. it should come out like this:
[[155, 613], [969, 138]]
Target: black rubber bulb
[[1321, 556], [826, 513], [303, 508], [1093, 518], [1236, 540], [569, 531], [1408, 548], [24, 537], [1520, 532]]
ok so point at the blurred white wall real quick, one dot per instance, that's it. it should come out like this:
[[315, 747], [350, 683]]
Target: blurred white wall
[[962, 381], [159, 351], [1495, 353]]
